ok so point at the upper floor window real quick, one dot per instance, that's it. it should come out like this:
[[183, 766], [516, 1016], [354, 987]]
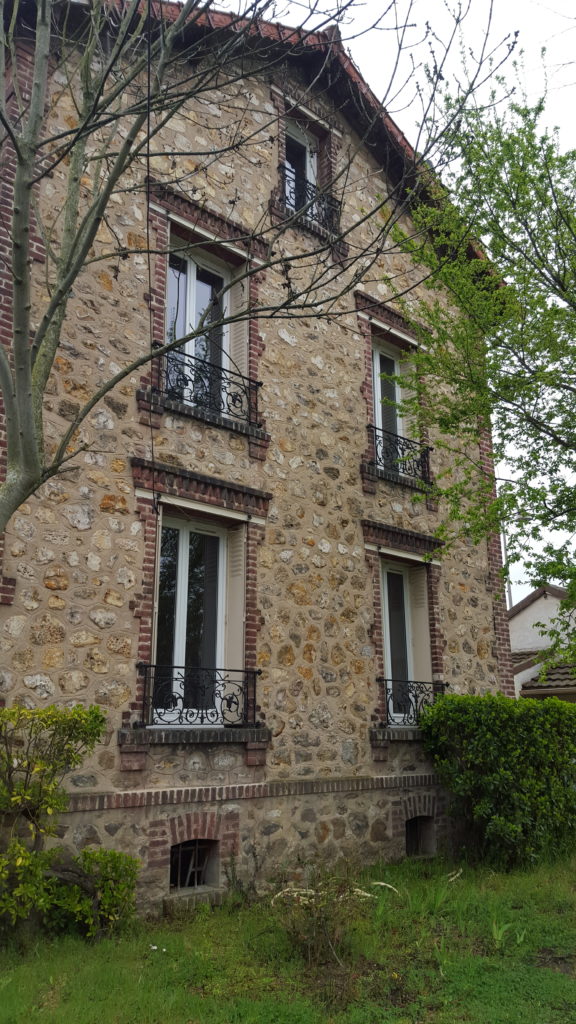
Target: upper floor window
[[307, 149], [208, 374], [397, 452]]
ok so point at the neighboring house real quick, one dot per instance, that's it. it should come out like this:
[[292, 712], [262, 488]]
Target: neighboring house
[[528, 645], [237, 569]]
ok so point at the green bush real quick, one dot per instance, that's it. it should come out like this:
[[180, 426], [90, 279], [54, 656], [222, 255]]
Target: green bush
[[93, 892], [37, 747], [511, 769]]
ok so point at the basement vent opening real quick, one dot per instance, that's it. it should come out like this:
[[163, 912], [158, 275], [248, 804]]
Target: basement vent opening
[[420, 836], [194, 864]]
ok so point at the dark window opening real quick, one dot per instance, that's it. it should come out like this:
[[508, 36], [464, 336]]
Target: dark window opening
[[193, 864], [420, 837]]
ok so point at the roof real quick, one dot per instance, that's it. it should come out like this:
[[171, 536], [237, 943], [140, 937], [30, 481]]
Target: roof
[[550, 590]]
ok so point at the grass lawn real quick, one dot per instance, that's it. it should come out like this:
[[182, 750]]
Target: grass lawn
[[483, 948]]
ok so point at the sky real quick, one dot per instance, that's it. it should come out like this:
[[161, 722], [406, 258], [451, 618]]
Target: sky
[[540, 23]]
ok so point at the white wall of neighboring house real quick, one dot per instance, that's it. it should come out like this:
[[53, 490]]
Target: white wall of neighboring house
[[525, 635]]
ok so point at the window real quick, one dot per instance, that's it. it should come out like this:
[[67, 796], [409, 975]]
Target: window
[[194, 864], [301, 169], [396, 453], [198, 676], [209, 373], [420, 836], [301, 179], [407, 660]]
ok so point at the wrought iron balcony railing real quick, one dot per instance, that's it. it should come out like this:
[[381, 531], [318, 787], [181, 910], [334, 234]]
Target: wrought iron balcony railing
[[400, 455], [406, 699], [179, 695], [212, 389], [317, 207]]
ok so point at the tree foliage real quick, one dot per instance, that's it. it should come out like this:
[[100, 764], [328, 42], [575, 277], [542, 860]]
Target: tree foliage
[[503, 354], [510, 767]]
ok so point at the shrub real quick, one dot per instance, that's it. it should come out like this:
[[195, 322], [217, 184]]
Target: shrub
[[37, 747], [511, 769], [317, 918], [93, 892]]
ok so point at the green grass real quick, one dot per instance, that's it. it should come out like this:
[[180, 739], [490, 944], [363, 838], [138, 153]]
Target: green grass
[[483, 948]]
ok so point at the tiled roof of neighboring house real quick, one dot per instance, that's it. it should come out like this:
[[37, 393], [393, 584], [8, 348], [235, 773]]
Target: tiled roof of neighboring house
[[561, 678], [519, 657], [550, 590]]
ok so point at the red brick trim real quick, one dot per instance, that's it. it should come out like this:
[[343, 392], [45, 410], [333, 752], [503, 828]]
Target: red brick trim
[[395, 537], [164, 833], [183, 483], [373, 307], [88, 802], [496, 584], [437, 639], [225, 229]]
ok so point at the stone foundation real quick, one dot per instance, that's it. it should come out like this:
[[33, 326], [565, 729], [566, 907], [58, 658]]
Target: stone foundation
[[264, 831]]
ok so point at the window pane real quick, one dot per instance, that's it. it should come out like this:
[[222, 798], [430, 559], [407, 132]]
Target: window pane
[[163, 676], [167, 596], [397, 625], [208, 286], [388, 391], [176, 326], [202, 601], [201, 624]]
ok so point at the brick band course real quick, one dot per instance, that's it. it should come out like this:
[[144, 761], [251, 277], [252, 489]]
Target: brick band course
[[254, 791]]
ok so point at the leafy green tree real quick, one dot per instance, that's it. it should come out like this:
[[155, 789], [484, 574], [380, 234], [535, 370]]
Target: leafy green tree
[[503, 353]]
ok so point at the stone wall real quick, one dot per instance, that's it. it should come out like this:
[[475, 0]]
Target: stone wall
[[82, 551]]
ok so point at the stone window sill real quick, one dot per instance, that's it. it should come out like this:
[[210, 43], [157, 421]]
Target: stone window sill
[[156, 403], [135, 743], [371, 472], [381, 738], [165, 736]]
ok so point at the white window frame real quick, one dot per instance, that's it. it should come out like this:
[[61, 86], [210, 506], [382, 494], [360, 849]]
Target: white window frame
[[298, 134], [213, 266], [391, 352], [185, 528], [406, 570]]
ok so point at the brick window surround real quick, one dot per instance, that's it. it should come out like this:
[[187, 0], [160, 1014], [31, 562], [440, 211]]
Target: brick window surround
[[304, 110], [235, 247], [393, 542], [151, 482], [369, 310]]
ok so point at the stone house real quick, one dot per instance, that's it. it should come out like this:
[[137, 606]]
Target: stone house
[[242, 568]]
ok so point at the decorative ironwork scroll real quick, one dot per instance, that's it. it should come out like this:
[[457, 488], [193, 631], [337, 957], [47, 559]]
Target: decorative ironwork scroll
[[211, 388], [406, 699], [317, 208], [400, 455], [180, 695]]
